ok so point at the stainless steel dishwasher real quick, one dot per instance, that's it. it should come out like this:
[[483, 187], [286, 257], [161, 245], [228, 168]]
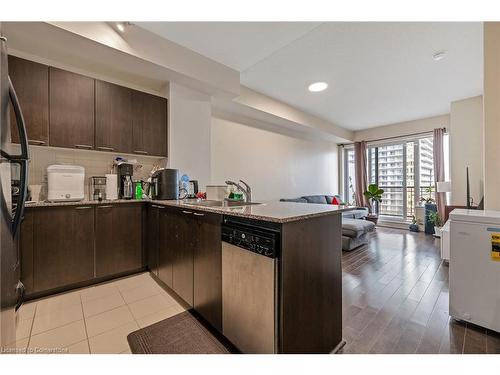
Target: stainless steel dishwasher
[[249, 284]]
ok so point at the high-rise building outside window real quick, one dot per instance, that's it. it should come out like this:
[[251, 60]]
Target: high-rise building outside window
[[404, 169]]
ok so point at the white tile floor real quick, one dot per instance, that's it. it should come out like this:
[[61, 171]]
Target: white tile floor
[[96, 319]]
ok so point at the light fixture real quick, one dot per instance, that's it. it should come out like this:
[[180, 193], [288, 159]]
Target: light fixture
[[318, 86], [439, 55], [121, 26]]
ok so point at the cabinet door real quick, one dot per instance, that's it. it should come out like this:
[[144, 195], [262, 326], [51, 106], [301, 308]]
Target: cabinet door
[[182, 273], [208, 268], [31, 82], [71, 110], [153, 240], [118, 239], [113, 117], [169, 240], [26, 247], [64, 246], [149, 124]]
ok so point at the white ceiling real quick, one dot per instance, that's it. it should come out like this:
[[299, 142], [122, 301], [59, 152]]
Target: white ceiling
[[378, 73]]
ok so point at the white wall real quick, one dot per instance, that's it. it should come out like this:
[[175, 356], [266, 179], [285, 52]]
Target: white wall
[[275, 165], [491, 115], [189, 115], [403, 128], [466, 149]]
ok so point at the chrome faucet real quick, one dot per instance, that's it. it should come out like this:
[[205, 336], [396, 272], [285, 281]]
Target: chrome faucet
[[247, 191]]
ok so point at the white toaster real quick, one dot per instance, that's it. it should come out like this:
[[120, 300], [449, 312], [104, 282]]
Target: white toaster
[[65, 182]]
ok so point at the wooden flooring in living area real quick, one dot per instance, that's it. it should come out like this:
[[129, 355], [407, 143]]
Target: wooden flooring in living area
[[395, 300]]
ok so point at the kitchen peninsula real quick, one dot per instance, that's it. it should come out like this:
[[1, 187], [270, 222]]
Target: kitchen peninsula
[[290, 282]]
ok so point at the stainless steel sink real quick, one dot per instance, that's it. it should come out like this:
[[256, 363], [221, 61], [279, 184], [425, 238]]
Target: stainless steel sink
[[210, 203]]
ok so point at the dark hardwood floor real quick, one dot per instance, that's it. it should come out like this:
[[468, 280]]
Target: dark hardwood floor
[[395, 300]]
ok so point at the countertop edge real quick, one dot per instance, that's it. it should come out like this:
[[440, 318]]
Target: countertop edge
[[180, 205]]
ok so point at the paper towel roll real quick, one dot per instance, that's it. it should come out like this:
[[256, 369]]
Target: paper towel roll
[[111, 186]]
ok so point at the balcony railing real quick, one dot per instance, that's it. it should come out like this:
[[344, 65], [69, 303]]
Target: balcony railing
[[392, 200]]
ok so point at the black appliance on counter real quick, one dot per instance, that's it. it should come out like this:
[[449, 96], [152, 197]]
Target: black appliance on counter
[[126, 184], [166, 184], [11, 212]]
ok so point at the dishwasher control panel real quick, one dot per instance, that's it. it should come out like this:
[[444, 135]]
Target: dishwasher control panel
[[253, 238]]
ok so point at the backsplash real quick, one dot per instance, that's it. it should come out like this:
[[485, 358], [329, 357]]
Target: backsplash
[[96, 163]]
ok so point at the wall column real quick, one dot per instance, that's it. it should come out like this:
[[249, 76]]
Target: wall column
[[492, 115]]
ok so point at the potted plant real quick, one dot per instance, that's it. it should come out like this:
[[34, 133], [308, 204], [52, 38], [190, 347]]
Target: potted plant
[[374, 194], [428, 199], [436, 221], [414, 224]]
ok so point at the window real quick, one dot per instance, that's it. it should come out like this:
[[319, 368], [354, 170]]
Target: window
[[404, 169], [350, 178]]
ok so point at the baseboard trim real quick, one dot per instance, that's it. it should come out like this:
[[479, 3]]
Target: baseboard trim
[[393, 224]]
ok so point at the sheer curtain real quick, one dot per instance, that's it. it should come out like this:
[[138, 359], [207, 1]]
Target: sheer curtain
[[360, 173], [438, 161]]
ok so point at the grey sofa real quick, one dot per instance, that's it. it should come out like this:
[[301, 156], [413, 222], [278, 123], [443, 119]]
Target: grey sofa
[[355, 228]]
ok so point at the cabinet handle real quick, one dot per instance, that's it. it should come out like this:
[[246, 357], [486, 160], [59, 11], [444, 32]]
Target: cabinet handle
[[36, 142], [82, 208], [198, 214], [186, 212], [155, 206], [141, 152], [108, 206], [105, 148], [87, 147]]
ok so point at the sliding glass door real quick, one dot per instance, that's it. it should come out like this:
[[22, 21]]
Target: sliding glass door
[[405, 171]]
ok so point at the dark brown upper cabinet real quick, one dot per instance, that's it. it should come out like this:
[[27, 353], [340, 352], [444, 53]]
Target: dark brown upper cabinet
[[149, 116], [113, 117], [71, 110], [31, 82]]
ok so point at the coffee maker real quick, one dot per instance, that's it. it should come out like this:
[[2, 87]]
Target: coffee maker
[[126, 188]]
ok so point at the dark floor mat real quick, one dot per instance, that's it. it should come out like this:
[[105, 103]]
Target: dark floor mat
[[180, 334]]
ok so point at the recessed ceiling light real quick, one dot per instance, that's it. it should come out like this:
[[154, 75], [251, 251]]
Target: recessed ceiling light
[[317, 86], [121, 26], [439, 55]]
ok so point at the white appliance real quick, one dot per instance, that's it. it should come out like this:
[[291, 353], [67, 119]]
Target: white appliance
[[111, 186], [65, 182], [475, 267], [445, 241]]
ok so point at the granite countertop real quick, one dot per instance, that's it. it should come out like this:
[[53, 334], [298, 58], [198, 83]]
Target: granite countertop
[[278, 212], [85, 202]]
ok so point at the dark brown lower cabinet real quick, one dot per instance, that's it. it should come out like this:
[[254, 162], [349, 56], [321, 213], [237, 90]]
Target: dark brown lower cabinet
[[169, 241], [207, 282], [182, 266], [153, 238], [63, 246], [27, 246], [118, 238], [190, 259]]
